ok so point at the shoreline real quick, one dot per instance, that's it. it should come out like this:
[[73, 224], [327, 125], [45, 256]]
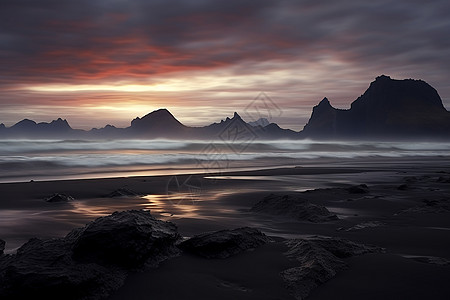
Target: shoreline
[[393, 213]]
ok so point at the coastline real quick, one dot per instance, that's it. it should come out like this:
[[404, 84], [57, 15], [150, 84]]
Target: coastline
[[386, 216]]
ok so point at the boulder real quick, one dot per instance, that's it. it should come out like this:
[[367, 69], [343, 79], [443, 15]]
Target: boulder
[[224, 243], [126, 239], [90, 262], [293, 206], [319, 260]]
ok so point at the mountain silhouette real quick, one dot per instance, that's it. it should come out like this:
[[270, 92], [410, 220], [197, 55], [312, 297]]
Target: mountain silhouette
[[235, 129], [30, 129], [159, 123], [388, 109]]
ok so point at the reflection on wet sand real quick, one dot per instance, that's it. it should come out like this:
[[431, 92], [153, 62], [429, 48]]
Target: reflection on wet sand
[[180, 205], [199, 205]]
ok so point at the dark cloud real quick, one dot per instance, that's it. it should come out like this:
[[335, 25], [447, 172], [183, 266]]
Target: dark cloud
[[98, 39], [87, 41]]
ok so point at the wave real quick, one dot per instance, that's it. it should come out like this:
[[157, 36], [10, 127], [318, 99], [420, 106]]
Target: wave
[[21, 157]]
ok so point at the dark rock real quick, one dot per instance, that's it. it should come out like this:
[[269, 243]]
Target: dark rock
[[45, 270], [59, 198], [358, 189], [125, 239], [388, 109], [224, 243], [402, 187], [294, 207], [319, 261], [2, 246], [123, 192], [90, 262]]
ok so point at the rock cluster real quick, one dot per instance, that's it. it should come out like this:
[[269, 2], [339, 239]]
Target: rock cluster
[[90, 262], [320, 259]]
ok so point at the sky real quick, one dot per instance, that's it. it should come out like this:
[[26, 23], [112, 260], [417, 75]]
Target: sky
[[98, 62]]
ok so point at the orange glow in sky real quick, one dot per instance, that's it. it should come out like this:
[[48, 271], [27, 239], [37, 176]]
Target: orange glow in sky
[[100, 62]]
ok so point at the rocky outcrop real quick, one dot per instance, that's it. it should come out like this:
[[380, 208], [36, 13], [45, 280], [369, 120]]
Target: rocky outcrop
[[90, 262], [320, 259], [224, 243], [293, 206], [388, 108]]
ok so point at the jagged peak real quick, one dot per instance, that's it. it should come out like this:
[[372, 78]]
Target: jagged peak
[[324, 101], [236, 116], [323, 105], [60, 121]]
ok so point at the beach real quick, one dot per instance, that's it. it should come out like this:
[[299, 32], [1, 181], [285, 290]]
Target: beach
[[401, 205]]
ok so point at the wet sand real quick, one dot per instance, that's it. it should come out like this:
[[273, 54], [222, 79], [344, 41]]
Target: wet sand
[[406, 211]]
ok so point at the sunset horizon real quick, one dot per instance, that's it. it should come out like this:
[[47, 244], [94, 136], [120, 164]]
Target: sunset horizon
[[226, 149], [93, 62]]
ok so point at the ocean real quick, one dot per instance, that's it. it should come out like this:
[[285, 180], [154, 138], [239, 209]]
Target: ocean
[[26, 160], [195, 202]]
